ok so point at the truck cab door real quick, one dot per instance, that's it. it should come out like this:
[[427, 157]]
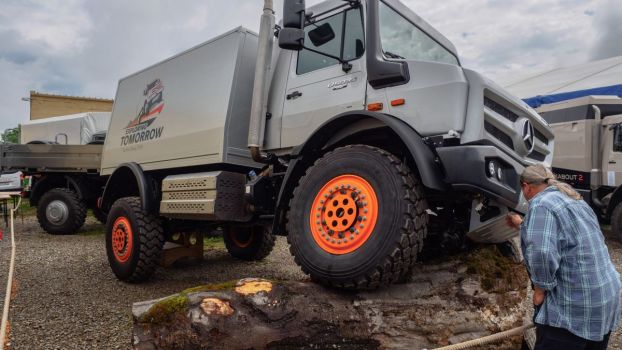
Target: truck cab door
[[612, 157], [318, 87]]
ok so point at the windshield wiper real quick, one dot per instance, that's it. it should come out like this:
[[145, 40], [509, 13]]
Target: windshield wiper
[[393, 55]]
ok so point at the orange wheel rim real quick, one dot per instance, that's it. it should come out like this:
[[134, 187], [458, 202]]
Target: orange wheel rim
[[344, 214], [241, 240], [122, 241]]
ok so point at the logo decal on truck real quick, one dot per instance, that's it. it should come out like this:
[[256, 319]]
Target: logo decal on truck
[[138, 129]]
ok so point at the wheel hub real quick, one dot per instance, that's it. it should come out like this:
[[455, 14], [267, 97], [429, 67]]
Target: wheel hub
[[344, 214], [57, 212], [122, 239]]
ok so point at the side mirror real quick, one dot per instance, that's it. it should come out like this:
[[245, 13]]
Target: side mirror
[[292, 36], [321, 35]]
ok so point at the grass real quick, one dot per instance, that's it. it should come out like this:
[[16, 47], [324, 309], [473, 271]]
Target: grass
[[213, 243], [25, 208], [496, 272], [92, 230]]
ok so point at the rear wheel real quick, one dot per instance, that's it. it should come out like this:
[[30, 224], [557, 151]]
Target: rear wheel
[[357, 218], [616, 221], [60, 211], [248, 243], [99, 215], [134, 240]]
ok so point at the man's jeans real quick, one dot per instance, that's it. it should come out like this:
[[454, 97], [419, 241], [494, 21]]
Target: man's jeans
[[552, 338]]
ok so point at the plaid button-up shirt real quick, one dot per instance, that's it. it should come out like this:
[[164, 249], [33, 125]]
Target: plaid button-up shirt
[[566, 255]]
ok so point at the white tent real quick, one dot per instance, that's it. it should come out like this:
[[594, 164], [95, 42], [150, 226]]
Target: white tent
[[575, 81]]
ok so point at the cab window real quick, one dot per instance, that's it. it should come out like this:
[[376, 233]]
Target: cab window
[[344, 38], [403, 40]]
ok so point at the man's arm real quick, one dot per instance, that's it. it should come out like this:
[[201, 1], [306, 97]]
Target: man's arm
[[541, 237]]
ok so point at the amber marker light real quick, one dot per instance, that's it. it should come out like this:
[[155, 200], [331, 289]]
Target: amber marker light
[[398, 102], [375, 106]]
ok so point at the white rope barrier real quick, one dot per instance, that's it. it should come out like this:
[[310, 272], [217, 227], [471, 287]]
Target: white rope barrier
[[9, 284], [488, 339]]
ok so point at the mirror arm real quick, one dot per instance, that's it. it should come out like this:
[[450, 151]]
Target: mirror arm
[[324, 54], [345, 65]]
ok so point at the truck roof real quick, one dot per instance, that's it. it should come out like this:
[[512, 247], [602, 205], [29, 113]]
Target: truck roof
[[580, 108], [237, 29]]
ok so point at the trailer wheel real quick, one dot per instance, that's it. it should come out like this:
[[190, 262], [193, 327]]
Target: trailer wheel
[[616, 221], [248, 243], [134, 240], [357, 219], [60, 211]]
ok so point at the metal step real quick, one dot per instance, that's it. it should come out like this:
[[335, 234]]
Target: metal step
[[216, 196]]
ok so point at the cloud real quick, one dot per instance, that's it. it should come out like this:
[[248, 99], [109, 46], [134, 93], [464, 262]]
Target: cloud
[[608, 26], [82, 47]]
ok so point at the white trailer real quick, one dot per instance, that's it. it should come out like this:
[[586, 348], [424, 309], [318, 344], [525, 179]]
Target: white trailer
[[73, 129]]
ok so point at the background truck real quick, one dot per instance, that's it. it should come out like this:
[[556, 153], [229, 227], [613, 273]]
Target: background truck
[[62, 157], [357, 137], [588, 134]]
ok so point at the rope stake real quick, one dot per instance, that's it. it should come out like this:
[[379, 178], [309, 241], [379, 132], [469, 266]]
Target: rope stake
[[9, 283]]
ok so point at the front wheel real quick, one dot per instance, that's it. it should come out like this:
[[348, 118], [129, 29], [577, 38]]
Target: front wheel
[[616, 221], [134, 240], [357, 218], [60, 211]]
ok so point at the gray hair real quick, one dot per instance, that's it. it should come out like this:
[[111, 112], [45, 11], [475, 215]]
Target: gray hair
[[538, 174]]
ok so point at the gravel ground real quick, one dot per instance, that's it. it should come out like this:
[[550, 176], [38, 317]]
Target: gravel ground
[[67, 297]]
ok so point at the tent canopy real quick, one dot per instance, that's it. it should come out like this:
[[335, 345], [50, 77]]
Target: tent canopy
[[602, 77]]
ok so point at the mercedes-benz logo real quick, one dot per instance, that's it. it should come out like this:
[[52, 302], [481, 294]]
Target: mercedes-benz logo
[[528, 135]]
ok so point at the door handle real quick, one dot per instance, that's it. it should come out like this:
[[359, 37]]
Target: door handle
[[612, 162], [294, 95]]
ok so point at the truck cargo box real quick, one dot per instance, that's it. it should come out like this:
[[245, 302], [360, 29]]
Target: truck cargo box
[[191, 109], [74, 129]]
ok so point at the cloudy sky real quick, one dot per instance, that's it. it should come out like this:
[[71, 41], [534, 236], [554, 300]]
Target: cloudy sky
[[81, 47]]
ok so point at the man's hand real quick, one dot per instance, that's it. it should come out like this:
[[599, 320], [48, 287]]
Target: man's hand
[[538, 295], [514, 220]]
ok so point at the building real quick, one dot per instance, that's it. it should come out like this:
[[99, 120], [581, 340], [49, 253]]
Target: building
[[49, 105]]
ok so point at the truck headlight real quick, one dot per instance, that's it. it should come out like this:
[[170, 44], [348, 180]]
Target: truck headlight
[[492, 168]]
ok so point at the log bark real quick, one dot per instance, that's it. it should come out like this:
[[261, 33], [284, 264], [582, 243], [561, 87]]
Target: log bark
[[444, 303]]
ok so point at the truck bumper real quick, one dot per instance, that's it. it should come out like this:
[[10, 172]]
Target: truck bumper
[[471, 168]]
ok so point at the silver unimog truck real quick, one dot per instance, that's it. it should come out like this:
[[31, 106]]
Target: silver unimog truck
[[356, 137], [588, 132]]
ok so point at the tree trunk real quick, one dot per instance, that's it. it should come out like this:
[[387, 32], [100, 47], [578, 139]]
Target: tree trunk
[[444, 303]]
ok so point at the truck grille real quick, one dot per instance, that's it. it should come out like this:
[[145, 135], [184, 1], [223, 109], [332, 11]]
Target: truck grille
[[541, 137], [504, 123], [506, 113], [499, 135]]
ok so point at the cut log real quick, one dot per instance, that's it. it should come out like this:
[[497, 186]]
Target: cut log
[[444, 303]]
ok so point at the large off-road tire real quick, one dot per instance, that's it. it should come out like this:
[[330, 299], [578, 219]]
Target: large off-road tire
[[616, 221], [61, 212], [248, 243], [357, 219], [134, 240]]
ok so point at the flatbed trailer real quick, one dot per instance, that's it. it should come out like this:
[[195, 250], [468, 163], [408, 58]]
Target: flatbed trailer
[[65, 181]]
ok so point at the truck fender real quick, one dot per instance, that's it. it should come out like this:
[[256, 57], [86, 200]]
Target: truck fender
[[129, 179], [49, 182], [429, 169]]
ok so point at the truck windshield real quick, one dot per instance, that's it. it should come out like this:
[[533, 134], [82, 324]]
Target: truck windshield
[[403, 40]]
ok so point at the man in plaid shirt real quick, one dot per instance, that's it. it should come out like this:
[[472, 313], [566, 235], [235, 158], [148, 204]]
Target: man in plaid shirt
[[576, 286]]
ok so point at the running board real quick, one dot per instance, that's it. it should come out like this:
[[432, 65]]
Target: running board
[[215, 196]]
